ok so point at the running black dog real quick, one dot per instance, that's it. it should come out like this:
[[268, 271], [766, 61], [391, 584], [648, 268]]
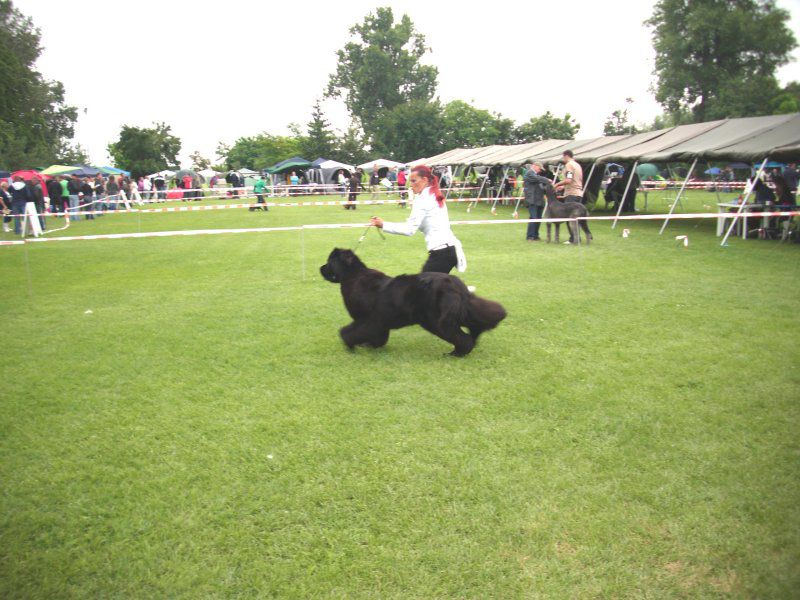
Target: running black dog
[[440, 303]]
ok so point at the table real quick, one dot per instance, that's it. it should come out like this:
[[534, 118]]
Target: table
[[725, 214]]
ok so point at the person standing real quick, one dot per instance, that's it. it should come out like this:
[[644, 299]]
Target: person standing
[[64, 182], [572, 183], [401, 186], [535, 188], [37, 197], [99, 194], [54, 193], [790, 177], [20, 196], [112, 189], [147, 188], [74, 188], [429, 214], [5, 203], [374, 181], [259, 188], [161, 186], [355, 183], [87, 192]]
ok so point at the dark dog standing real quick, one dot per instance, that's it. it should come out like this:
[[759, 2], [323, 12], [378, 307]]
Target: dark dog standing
[[557, 209], [378, 303]]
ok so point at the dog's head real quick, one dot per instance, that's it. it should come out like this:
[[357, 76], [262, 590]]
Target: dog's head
[[340, 263]]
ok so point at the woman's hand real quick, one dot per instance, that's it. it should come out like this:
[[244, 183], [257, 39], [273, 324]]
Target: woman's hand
[[377, 222]]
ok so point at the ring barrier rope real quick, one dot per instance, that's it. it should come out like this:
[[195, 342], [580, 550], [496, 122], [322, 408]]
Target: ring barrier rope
[[194, 232]]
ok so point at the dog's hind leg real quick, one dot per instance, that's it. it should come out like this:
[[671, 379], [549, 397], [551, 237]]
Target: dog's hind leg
[[585, 227]]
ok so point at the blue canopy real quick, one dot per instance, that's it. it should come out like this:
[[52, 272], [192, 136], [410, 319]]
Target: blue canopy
[[85, 171], [713, 171], [318, 163], [115, 171]]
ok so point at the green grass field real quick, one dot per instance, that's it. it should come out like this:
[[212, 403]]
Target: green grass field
[[180, 420]]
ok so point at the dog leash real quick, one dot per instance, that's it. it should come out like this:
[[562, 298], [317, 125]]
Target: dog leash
[[366, 231]]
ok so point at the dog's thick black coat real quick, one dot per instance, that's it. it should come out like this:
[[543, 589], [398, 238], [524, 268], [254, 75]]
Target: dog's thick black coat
[[440, 303]]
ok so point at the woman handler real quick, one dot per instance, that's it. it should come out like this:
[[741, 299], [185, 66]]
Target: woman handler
[[429, 214]]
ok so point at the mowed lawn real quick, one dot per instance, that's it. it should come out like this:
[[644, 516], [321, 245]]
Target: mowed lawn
[[180, 420]]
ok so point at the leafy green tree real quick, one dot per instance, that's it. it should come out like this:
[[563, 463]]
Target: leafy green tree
[[35, 123], [319, 141], [381, 69], [787, 100], [618, 122], [352, 147], [410, 131], [261, 151], [72, 154], [465, 126], [718, 57], [145, 150], [547, 126], [199, 162]]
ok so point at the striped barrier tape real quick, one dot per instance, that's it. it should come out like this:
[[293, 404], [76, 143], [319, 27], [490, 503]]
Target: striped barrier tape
[[193, 232]]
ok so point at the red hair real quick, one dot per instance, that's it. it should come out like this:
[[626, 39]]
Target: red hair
[[423, 171]]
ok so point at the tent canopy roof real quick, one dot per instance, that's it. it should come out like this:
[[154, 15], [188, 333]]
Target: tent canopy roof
[[381, 162], [296, 162]]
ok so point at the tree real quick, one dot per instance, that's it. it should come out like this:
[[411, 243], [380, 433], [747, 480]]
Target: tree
[[143, 150], [547, 126], [410, 131], [35, 123], [351, 147], [199, 162], [381, 68], [72, 154], [617, 123], [320, 140], [261, 151], [787, 100], [718, 57], [465, 126]]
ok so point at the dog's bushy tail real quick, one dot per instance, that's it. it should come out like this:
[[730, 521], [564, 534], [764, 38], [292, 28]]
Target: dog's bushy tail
[[483, 314]]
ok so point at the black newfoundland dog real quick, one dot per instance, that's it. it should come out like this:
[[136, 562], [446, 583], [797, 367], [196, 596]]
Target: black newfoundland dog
[[378, 303]]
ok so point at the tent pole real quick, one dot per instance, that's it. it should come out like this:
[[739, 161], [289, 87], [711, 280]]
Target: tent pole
[[449, 182], [480, 191], [750, 189], [588, 179], [678, 197], [500, 191], [625, 193]]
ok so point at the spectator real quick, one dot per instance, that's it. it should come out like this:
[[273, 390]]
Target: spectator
[[99, 193], [5, 203], [20, 196], [54, 193], [293, 181], [64, 182], [355, 183], [37, 195], [341, 179], [258, 189], [572, 183], [535, 189], [112, 189], [790, 177], [147, 189], [74, 188], [374, 181], [401, 185], [161, 187], [87, 200]]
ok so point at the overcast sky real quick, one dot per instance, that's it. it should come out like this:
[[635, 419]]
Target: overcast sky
[[216, 71]]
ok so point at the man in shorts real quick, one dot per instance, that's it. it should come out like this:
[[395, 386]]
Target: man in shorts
[[572, 183]]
